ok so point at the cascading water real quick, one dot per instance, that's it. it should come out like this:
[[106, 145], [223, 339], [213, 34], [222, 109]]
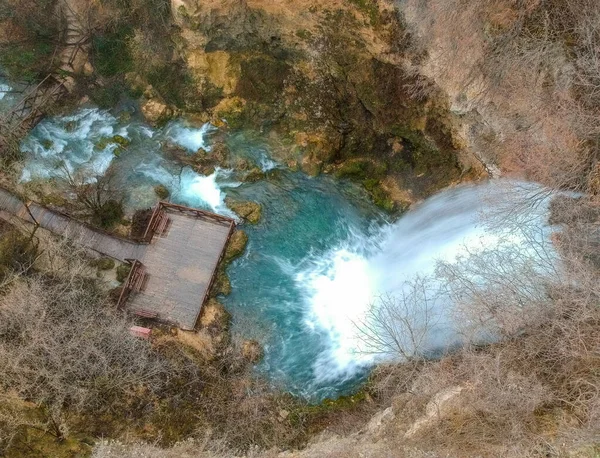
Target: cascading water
[[80, 144], [321, 255]]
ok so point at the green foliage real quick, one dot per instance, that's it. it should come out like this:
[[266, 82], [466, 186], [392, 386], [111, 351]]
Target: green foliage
[[108, 214], [123, 272], [17, 252], [111, 52], [379, 195], [104, 263], [362, 169], [26, 61]]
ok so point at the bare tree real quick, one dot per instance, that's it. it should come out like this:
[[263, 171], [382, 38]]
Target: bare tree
[[64, 350], [398, 326], [100, 196]]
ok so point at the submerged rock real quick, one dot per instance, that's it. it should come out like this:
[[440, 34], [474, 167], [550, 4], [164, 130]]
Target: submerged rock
[[236, 246]]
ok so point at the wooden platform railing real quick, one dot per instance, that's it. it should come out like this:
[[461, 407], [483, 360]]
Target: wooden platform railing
[[134, 282], [213, 275], [155, 220]]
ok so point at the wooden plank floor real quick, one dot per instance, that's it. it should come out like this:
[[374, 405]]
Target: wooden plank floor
[[179, 266], [80, 233]]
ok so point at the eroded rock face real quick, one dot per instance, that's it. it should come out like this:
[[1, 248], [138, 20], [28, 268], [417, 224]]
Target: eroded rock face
[[329, 80]]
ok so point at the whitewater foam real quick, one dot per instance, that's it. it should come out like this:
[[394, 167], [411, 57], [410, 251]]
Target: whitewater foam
[[190, 138], [68, 144], [341, 286]]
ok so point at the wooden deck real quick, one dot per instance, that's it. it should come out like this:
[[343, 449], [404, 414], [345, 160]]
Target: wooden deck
[[180, 266], [172, 271]]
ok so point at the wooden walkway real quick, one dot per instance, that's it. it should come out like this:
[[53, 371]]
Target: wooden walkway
[[79, 232], [172, 270]]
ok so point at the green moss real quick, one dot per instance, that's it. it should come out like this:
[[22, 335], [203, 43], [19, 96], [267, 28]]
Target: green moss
[[121, 142], [304, 34], [236, 246], [304, 413], [104, 263], [108, 214], [248, 211], [369, 7], [161, 192], [353, 169], [379, 195], [111, 53], [123, 272]]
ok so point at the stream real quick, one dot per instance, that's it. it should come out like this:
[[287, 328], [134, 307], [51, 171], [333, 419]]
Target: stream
[[321, 255]]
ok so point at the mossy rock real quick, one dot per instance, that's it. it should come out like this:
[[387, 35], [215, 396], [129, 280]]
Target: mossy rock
[[379, 195], [248, 211], [119, 140], [161, 192], [253, 175], [215, 318], [236, 246], [222, 285], [123, 272]]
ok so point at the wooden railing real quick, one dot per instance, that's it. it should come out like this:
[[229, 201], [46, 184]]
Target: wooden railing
[[133, 279], [213, 275], [149, 232]]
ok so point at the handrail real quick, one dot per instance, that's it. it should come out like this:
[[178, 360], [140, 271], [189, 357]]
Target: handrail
[[198, 212], [214, 272], [126, 290]]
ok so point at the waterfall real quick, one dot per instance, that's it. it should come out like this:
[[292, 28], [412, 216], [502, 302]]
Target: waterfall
[[341, 286]]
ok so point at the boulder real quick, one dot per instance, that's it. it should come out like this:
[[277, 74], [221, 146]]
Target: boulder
[[248, 211]]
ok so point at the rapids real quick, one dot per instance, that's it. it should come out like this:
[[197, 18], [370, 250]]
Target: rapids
[[320, 256]]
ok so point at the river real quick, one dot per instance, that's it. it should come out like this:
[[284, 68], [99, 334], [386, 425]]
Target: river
[[321, 255]]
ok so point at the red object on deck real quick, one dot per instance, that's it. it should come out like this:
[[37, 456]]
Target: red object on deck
[[141, 332]]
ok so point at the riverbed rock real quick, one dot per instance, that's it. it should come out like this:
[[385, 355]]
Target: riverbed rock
[[236, 246], [248, 211], [161, 192], [156, 111]]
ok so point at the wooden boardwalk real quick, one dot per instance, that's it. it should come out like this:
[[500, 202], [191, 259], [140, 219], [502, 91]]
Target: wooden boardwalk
[[173, 270], [65, 226]]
